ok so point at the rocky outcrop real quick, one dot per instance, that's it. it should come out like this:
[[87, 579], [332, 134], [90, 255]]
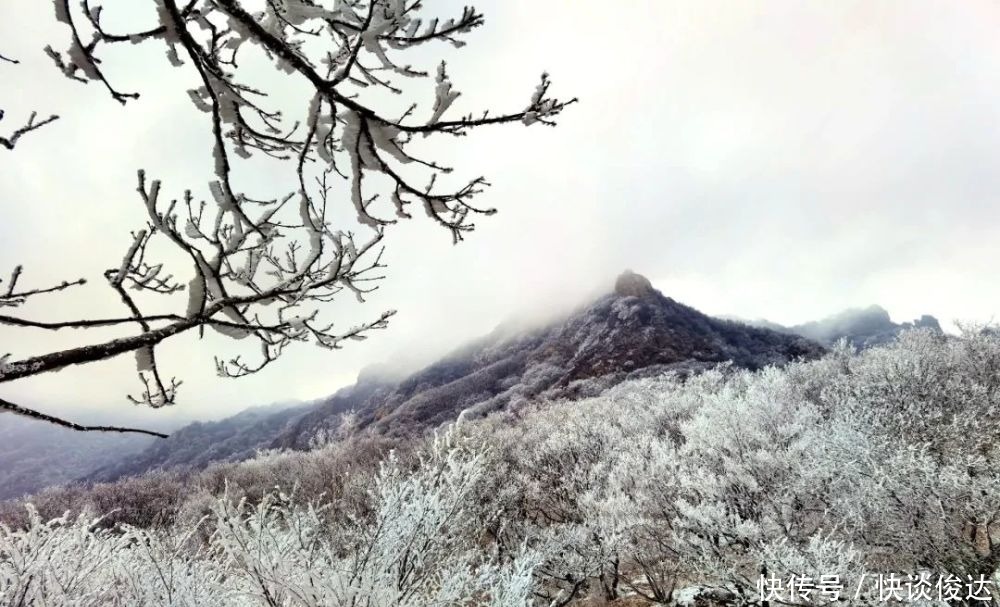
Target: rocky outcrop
[[630, 284]]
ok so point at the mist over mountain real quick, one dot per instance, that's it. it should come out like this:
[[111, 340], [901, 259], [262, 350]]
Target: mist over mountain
[[198, 444], [633, 331], [36, 454], [630, 332], [861, 327]]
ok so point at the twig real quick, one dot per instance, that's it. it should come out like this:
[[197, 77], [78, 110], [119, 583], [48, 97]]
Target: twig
[[10, 142], [19, 410]]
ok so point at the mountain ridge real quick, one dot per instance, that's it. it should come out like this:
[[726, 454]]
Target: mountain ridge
[[861, 327], [632, 330]]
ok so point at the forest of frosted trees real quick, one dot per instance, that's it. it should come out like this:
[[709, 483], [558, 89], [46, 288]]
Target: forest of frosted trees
[[659, 491]]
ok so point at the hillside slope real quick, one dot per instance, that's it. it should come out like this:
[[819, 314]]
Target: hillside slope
[[633, 331], [198, 444], [35, 454]]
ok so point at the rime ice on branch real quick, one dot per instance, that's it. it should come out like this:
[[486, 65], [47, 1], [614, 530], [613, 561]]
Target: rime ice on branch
[[263, 269]]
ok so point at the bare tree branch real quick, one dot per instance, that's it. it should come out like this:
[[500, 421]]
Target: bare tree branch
[[10, 297], [25, 412], [11, 140]]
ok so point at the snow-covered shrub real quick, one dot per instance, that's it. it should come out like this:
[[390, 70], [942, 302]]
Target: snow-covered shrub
[[853, 465], [418, 546]]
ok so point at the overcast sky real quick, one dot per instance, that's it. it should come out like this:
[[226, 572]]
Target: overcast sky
[[775, 159]]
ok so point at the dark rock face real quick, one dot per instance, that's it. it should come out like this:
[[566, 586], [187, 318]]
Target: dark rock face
[[634, 331], [630, 284], [928, 322]]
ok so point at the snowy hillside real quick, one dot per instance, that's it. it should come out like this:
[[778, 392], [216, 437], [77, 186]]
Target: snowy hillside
[[855, 464]]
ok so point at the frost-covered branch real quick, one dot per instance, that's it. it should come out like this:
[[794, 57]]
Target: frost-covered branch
[[262, 268], [10, 296]]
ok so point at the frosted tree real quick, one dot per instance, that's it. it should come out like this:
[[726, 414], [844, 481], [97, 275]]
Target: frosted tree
[[264, 269], [913, 429]]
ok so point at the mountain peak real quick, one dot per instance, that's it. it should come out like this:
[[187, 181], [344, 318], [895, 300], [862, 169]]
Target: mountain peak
[[634, 332], [630, 284]]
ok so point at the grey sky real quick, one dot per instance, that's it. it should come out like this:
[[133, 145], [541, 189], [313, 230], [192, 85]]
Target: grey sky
[[766, 159]]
